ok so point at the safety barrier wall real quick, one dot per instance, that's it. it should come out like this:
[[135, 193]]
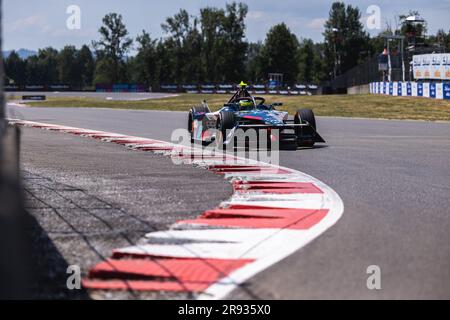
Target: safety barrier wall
[[257, 89], [434, 90]]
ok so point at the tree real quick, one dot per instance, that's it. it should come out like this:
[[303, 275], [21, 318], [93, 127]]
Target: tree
[[48, 66], [113, 45], [345, 38], [86, 64], [165, 69], [280, 53], [103, 71], [447, 42], [68, 66], [234, 46], [144, 64], [253, 63], [184, 44], [15, 69], [306, 61], [211, 32], [224, 47]]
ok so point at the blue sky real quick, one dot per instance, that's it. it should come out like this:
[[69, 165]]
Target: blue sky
[[36, 24]]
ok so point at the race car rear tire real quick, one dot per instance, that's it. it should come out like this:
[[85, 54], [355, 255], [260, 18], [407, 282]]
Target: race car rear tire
[[304, 116], [226, 122], [199, 109]]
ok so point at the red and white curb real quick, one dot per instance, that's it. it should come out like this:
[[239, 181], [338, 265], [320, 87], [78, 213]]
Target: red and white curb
[[274, 212]]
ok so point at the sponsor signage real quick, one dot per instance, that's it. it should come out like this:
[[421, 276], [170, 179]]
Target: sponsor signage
[[434, 66], [446, 90], [420, 89], [33, 98], [426, 89], [404, 89], [432, 90], [439, 91], [414, 89]]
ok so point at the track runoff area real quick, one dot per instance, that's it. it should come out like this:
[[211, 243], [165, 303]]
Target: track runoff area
[[273, 212]]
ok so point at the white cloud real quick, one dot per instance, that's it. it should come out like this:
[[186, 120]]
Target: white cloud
[[317, 24], [30, 22], [255, 15]]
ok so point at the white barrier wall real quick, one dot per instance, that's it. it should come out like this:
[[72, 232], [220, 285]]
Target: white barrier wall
[[433, 90]]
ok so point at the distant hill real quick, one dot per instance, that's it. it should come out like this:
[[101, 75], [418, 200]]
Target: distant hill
[[23, 53]]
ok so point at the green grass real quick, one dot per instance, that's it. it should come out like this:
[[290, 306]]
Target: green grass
[[362, 106]]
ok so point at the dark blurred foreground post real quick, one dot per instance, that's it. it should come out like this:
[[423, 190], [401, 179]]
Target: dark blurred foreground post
[[12, 217]]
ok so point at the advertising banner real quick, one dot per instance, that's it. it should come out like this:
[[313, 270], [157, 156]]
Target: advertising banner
[[426, 89], [414, 89], [417, 67], [404, 89], [409, 89], [445, 66], [426, 66], [420, 89], [439, 91], [434, 66], [446, 90], [432, 90]]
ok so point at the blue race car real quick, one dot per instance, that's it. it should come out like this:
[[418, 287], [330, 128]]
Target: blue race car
[[245, 112]]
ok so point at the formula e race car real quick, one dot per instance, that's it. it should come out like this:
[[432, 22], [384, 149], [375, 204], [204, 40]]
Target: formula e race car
[[245, 112]]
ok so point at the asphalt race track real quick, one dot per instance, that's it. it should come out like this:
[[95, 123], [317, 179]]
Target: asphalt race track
[[393, 177]]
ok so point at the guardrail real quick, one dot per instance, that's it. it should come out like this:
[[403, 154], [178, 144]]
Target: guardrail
[[434, 90]]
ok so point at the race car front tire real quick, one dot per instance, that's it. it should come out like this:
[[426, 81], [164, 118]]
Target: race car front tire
[[226, 122], [304, 116]]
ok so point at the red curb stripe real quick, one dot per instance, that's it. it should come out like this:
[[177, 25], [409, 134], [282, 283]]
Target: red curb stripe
[[176, 274], [78, 132], [104, 136], [137, 142], [247, 169], [293, 219], [144, 286], [278, 188], [44, 126], [155, 148]]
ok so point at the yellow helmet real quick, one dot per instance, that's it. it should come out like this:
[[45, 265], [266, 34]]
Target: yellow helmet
[[245, 104]]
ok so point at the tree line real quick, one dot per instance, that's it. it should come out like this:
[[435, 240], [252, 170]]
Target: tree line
[[206, 48]]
